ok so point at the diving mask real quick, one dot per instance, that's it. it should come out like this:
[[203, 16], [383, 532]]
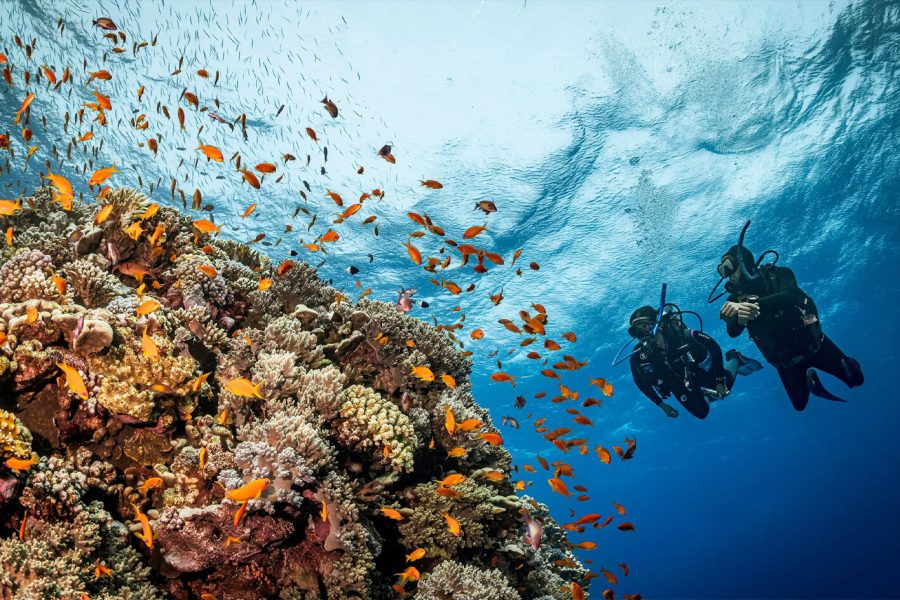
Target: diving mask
[[727, 267]]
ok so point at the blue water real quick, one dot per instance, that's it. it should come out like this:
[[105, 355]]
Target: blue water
[[624, 144]]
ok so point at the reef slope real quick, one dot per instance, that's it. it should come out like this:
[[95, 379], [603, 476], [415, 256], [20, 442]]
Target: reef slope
[[122, 484]]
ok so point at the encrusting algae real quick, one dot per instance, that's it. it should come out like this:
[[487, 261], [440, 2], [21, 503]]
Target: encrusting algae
[[268, 444]]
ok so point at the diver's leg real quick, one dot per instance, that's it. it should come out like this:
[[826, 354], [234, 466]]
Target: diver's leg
[[833, 361], [696, 404], [794, 380]]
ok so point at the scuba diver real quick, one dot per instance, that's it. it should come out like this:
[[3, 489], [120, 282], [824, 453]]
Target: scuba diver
[[783, 322], [672, 360]]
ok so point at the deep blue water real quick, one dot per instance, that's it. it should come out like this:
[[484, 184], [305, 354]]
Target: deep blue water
[[625, 145]]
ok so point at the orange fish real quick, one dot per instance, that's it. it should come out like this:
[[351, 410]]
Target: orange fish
[[331, 107], [408, 574], [204, 226], [244, 388], [9, 236], [62, 185], [559, 486], [414, 253], [577, 591], [453, 525], [431, 183], [250, 178], [585, 545], [603, 453], [493, 439], [208, 270], [610, 576], [60, 284], [18, 464], [477, 334], [238, 515], [448, 381], [474, 231], [86, 136], [198, 383], [391, 513], [102, 75], [211, 153], [423, 373], [457, 452], [151, 350], [249, 210], [503, 377], [249, 491], [103, 214], [494, 476], [134, 230], [232, 540], [469, 425], [25, 104], [312, 134], [626, 526], [148, 307], [449, 421], [330, 236], [101, 175], [149, 484], [102, 570], [451, 480], [74, 381], [9, 207], [415, 555], [147, 532], [102, 100], [204, 453], [264, 284], [284, 267]]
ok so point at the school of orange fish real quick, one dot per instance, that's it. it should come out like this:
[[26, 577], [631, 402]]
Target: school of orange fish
[[429, 247]]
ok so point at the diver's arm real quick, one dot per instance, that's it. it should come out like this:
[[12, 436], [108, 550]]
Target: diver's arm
[[787, 296], [728, 313], [641, 380]]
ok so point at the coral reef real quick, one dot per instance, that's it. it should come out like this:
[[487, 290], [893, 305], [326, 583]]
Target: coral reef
[[182, 431]]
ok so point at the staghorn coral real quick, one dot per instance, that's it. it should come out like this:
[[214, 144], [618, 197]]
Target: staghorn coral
[[371, 425], [334, 454], [451, 580]]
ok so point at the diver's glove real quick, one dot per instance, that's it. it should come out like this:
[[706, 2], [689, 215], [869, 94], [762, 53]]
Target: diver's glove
[[670, 412], [721, 389]]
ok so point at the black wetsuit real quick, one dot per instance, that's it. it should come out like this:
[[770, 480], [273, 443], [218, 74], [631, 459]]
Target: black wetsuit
[[789, 335], [691, 355]]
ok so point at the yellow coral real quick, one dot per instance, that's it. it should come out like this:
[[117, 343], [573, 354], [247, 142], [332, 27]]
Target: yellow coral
[[126, 376], [15, 440], [371, 424]]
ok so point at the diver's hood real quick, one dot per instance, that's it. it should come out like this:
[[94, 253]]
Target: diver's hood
[[644, 313], [746, 256]]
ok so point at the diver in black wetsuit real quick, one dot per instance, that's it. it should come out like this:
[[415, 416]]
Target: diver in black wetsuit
[[784, 323], [672, 360]]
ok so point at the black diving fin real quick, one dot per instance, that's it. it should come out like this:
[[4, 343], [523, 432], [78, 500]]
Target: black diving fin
[[746, 366], [817, 389]]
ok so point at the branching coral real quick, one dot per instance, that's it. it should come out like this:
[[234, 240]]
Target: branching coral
[[371, 425], [451, 580]]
